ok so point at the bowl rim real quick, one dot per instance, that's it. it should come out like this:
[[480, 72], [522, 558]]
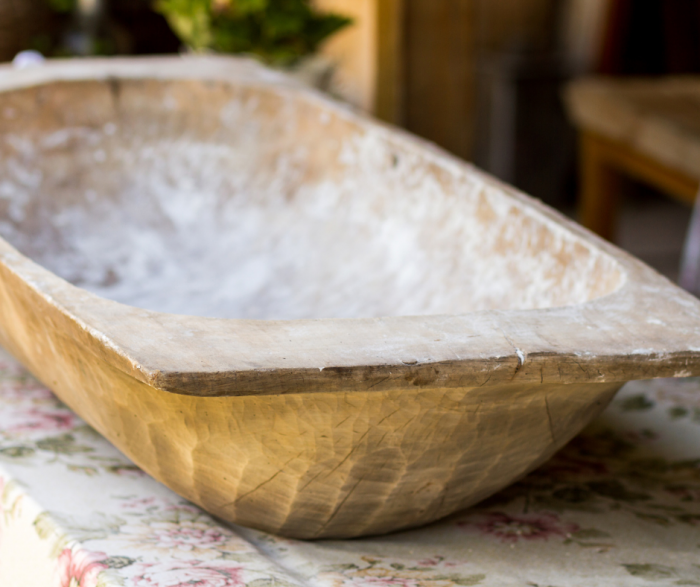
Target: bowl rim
[[647, 327]]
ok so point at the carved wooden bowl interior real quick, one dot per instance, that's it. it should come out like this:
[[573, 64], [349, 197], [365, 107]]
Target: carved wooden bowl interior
[[295, 317]]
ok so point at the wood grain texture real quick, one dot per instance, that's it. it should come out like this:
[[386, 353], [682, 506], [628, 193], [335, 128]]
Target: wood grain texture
[[439, 72], [323, 465], [517, 329]]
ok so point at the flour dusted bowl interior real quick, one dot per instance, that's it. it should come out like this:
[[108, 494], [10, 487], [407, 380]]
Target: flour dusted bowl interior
[[211, 199]]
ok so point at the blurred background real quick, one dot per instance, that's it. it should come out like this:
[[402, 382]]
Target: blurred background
[[484, 79]]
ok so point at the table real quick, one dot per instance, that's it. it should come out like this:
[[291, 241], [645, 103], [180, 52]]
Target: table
[[620, 506], [647, 129]]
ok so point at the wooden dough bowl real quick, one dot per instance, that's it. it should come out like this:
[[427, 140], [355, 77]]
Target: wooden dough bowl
[[298, 318]]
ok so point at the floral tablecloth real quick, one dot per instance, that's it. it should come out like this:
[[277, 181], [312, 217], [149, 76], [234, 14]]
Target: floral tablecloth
[[619, 506]]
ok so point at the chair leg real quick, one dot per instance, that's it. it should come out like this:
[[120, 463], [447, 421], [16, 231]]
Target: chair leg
[[601, 187]]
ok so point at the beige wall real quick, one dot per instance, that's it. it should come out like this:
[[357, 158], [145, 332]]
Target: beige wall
[[369, 55], [439, 72], [355, 50]]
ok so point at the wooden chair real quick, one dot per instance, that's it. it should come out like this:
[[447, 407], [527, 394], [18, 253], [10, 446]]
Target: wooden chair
[[646, 129]]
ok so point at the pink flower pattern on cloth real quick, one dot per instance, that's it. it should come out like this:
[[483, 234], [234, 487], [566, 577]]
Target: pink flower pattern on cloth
[[528, 527], [188, 574], [45, 421], [182, 536], [79, 568], [618, 507]]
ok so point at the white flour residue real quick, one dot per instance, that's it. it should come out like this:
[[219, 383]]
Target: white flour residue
[[255, 206]]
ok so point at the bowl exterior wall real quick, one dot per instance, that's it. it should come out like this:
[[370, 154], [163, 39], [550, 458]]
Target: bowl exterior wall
[[316, 465]]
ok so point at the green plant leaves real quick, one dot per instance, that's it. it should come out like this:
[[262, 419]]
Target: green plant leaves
[[190, 21], [62, 5], [278, 31], [243, 7]]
